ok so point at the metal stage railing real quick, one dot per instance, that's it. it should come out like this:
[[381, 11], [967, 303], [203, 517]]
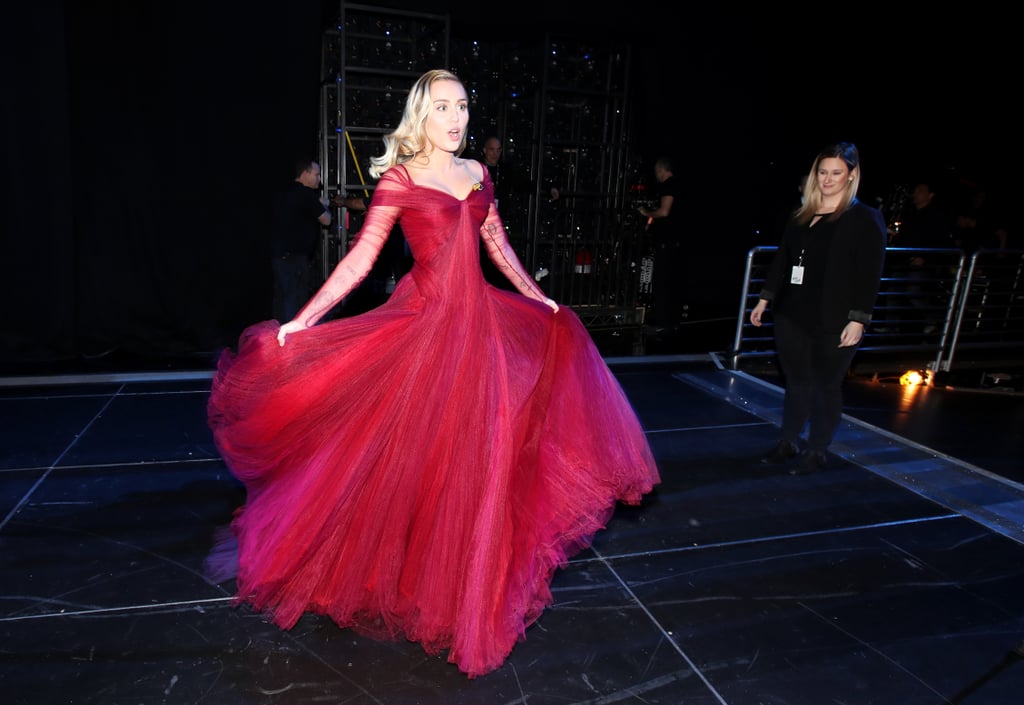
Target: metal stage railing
[[951, 308]]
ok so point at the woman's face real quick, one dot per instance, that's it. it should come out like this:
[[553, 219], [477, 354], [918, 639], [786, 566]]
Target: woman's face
[[833, 176], [449, 115]]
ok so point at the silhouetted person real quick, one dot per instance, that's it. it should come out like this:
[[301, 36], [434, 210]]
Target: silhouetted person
[[511, 182], [393, 262], [664, 226], [300, 212], [512, 190], [925, 225], [979, 223]]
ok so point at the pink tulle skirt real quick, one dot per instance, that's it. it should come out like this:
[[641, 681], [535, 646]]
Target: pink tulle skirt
[[417, 474]]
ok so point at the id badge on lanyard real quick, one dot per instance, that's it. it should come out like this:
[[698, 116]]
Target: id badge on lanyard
[[797, 274]]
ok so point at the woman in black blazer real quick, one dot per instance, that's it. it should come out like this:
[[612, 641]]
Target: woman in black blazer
[[822, 285]]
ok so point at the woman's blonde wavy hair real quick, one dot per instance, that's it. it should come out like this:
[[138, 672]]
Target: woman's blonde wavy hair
[[410, 137], [846, 151]]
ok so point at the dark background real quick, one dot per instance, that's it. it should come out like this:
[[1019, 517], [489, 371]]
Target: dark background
[[142, 140]]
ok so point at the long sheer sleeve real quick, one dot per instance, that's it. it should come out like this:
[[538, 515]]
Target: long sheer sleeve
[[354, 266], [500, 251]]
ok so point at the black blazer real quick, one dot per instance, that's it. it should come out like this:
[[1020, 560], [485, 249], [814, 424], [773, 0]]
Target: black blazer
[[853, 270]]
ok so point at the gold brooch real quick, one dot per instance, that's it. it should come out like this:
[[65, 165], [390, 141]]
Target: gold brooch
[[478, 186]]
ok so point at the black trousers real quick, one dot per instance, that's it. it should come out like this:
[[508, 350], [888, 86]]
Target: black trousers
[[814, 367], [292, 281], [668, 284]]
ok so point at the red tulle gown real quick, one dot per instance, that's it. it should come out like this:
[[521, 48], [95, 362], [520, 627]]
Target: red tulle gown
[[421, 470]]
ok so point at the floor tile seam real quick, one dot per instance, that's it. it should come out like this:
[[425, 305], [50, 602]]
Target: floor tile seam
[[23, 501], [624, 364], [992, 515], [830, 622], [109, 466], [839, 448], [228, 601], [633, 362], [604, 559], [692, 547], [28, 380], [119, 393], [709, 427], [103, 378], [940, 485], [120, 609], [57, 398], [126, 392], [666, 633], [42, 478]]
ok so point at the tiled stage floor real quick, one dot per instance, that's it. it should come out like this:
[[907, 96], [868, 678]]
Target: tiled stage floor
[[893, 577]]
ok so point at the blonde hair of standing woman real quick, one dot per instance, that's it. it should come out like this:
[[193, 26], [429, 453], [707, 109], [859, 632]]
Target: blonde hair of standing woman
[[410, 137], [846, 151]]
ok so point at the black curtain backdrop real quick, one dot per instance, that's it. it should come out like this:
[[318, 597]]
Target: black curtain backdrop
[[142, 142], [37, 274]]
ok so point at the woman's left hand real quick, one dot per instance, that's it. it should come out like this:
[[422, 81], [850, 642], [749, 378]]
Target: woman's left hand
[[851, 335]]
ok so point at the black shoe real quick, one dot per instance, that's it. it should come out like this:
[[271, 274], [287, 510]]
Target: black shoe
[[810, 461], [781, 453]]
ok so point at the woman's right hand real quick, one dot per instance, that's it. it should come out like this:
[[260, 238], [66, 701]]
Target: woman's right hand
[[286, 329], [757, 312]]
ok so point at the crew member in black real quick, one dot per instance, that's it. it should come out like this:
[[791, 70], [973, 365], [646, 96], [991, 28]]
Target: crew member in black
[[299, 214], [664, 226]]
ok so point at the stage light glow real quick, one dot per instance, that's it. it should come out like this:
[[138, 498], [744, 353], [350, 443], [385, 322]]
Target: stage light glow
[[912, 378]]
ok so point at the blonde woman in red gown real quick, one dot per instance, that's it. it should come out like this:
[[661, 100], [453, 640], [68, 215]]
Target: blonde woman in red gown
[[421, 470]]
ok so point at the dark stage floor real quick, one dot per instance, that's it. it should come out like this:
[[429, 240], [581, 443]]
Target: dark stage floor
[[893, 577]]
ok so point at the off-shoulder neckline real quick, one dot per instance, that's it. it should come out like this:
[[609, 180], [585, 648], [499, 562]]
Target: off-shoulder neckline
[[477, 185]]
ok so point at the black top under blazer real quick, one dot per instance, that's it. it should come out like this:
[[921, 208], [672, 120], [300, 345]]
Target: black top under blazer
[[853, 268]]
